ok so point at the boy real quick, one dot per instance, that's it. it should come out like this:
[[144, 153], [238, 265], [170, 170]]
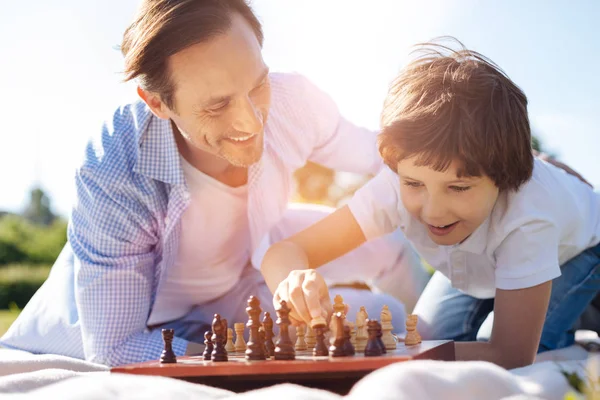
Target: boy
[[510, 232]]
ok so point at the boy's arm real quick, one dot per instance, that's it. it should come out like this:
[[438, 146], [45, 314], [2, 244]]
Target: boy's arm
[[518, 321], [328, 239]]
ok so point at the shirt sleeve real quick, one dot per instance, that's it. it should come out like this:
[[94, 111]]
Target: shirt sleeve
[[114, 271], [340, 144], [375, 206], [528, 256]]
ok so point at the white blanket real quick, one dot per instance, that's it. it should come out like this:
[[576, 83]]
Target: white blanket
[[23, 375]]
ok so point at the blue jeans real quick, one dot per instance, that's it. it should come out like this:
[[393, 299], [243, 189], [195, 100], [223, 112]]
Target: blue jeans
[[446, 313]]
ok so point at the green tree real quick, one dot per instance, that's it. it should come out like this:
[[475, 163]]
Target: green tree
[[38, 211]]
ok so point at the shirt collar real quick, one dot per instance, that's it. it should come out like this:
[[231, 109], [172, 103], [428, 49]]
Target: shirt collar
[[158, 156], [477, 241]]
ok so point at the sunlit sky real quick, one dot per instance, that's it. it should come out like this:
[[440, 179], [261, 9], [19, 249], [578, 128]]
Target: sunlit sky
[[60, 70]]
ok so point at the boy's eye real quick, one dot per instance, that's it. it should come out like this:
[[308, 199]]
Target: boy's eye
[[460, 188], [412, 184]]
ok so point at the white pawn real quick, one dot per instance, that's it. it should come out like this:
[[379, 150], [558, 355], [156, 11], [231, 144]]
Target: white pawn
[[300, 343], [240, 343], [386, 328], [338, 307], [361, 330], [230, 346], [412, 335]]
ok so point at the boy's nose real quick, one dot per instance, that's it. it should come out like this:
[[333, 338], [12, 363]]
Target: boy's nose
[[433, 211]]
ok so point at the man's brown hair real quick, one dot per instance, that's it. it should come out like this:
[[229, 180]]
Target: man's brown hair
[[165, 27], [449, 105]]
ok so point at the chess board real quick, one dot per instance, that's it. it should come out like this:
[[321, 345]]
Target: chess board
[[336, 374]]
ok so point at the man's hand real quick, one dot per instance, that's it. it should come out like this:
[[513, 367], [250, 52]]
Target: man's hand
[[306, 293]]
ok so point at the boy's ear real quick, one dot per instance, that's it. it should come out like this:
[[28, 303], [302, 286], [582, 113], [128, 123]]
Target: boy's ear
[[153, 101]]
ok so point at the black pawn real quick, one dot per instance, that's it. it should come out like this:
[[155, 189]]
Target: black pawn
[[168, 356], [268, 325], [263, 340], [208, 345], [219, 338], [337, 348], [348, 347], [254, 348], [379, 338], [320, 348], [373, 348], [284, 349]]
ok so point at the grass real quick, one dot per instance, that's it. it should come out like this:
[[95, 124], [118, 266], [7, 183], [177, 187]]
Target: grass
[[6, 319]]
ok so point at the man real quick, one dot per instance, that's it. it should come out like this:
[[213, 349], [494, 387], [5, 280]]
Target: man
[[182, 192]]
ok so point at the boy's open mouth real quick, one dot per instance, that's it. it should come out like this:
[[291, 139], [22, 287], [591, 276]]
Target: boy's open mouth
[[442, 230]]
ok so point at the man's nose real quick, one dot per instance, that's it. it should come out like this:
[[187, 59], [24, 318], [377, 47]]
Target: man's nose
[[249, 118]]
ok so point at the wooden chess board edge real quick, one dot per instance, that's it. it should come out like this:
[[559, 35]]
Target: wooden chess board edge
[[436, 350]]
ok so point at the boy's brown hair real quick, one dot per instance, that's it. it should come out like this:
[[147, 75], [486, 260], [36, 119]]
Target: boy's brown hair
[[458, 105], [165, 27]]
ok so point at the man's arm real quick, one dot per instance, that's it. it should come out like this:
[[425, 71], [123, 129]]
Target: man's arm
[[338, 144], [518, 321], [113, 242]]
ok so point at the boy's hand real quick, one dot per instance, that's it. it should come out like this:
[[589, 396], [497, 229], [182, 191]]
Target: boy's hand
[[306, 293]]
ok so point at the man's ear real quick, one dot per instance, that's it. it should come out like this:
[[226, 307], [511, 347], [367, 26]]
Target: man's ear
[[153, 101]]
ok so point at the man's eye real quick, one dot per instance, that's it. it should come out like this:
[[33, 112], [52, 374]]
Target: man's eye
[[460, 188], [218, 107]]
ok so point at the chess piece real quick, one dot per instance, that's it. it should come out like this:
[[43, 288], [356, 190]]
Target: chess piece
[[361, 329], [412, 336], [240, 343], [284, 349], [300, 342], [373, 348], [230, 347], [262, 336], [338, 307], [254, 349], [310, 338], [379, 340], [269, 335], [337, 348], [348, 346], [319, 326], [387, 327], [352, 333], [219, 338], [208, 345], [168, 355]]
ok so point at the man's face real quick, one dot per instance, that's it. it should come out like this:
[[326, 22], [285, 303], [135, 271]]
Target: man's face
[[222, 95], [450, 207]]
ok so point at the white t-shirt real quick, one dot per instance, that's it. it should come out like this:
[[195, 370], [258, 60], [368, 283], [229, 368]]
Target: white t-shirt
[[528, 236], [213, 250]]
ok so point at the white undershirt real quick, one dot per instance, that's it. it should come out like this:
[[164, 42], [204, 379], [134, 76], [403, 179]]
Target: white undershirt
[[213, 249]]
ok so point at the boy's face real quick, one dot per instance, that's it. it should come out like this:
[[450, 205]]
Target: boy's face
[[450, 207]]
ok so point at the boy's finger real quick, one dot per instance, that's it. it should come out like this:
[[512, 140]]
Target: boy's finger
[[312, 290], [296, 294]]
